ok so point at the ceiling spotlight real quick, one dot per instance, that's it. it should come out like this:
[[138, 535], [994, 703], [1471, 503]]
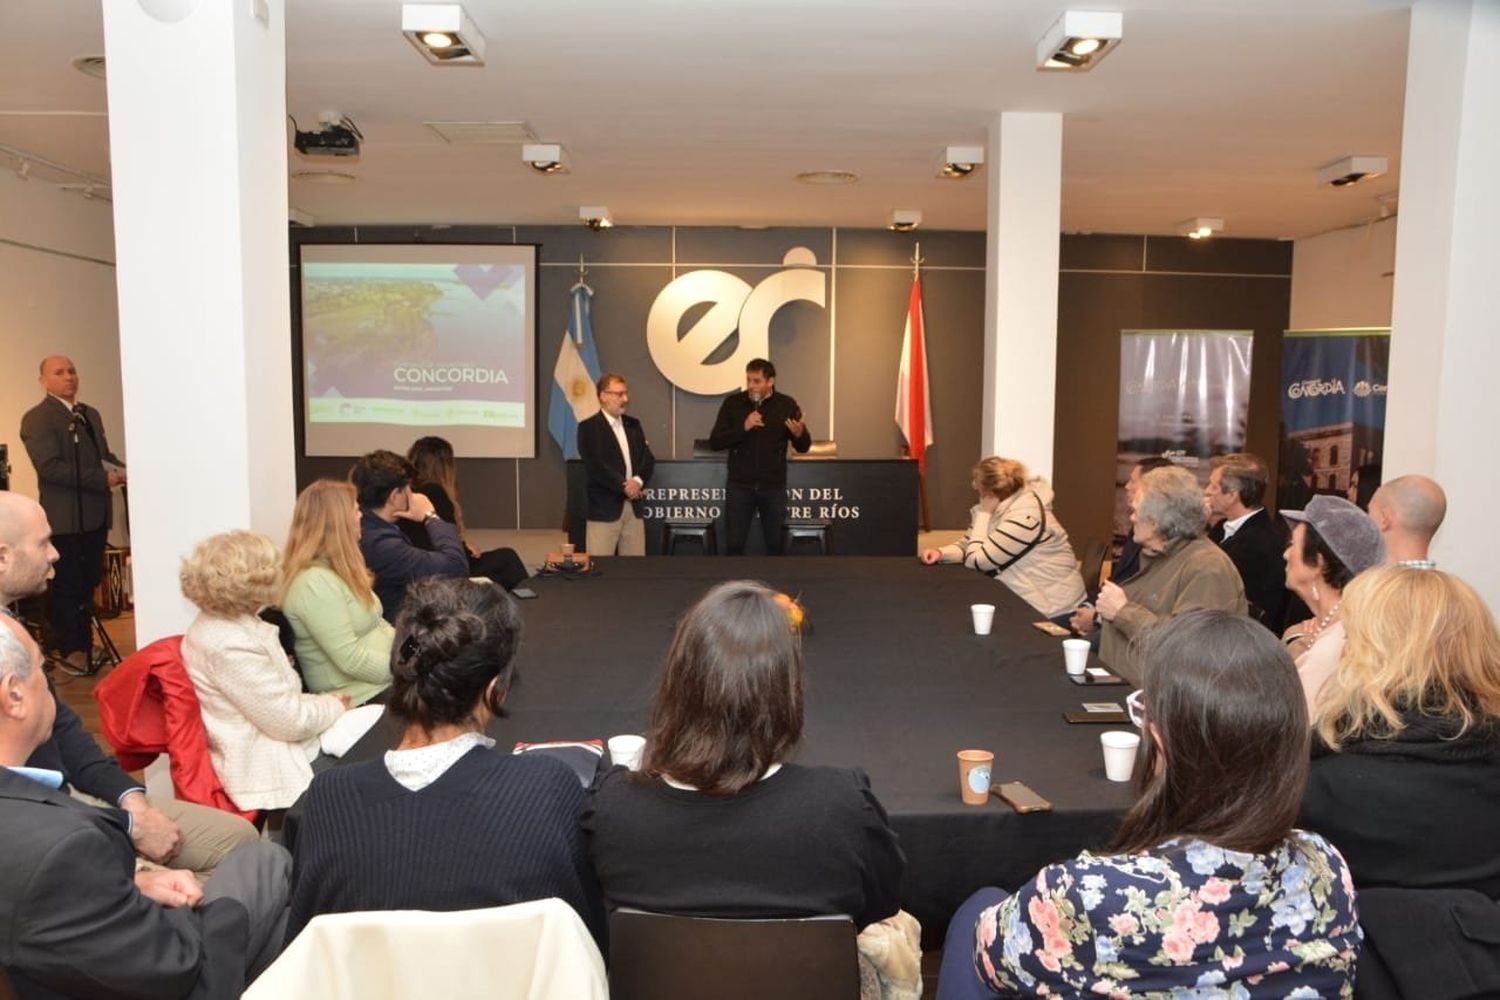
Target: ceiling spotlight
[[960, 161], [1352, 170], [1200, 229], [904, 220], [544, 157], [1079, 39], [443, 33], [596, 217], [827, 177]]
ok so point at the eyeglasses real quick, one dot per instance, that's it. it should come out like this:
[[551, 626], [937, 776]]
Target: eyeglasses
[[613, 392], [1135, 704]]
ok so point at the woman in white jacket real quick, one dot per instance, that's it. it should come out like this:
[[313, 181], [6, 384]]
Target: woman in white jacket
[[1015, 537], [262, 730]]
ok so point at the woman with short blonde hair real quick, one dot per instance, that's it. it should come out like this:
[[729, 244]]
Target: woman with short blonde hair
[[343, 640], [262, 729], [1406, 761]]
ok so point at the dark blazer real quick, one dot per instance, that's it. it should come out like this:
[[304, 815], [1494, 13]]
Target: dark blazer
[[600, 451], [396, 562], [75, 753], [44, 431], [1437, 944], [72, 922], [1257, 551]]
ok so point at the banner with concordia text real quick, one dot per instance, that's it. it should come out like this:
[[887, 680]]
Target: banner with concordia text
[[1332, 413], [1184, 394]]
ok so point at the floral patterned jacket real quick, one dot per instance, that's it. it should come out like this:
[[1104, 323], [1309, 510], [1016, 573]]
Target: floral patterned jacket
[[1184, 920]]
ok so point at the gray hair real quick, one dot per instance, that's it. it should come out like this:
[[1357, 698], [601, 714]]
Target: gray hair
[[15, 658], [1172, 500]]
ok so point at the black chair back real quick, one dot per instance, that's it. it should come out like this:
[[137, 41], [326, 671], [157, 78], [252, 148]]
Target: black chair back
[[653, 956]]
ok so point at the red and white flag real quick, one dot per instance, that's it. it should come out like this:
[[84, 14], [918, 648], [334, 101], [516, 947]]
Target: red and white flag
[[913, 400]]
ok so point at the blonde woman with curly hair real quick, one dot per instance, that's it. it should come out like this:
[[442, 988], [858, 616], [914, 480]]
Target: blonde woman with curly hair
[[262, 729], [1406, 755], [1015, 538], [343, 641]]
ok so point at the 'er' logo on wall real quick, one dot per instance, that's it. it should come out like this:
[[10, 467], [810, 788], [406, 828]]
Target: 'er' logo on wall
[[736, 305]]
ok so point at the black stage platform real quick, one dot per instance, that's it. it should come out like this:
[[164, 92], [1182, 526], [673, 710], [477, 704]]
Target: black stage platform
[[896, 684]]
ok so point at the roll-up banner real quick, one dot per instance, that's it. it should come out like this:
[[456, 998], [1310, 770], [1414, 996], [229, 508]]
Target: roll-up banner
[[1332, 414], [1184, 394]]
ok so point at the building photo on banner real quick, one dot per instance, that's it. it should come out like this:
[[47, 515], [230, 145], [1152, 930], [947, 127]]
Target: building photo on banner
[[415, 392]]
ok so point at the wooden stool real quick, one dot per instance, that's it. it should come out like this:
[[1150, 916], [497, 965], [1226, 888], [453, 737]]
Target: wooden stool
[[817, 532], [702, 532]]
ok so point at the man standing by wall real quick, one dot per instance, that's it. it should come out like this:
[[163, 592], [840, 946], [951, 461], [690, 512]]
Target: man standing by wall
[[756, 426], [618, 461], [75, 472]]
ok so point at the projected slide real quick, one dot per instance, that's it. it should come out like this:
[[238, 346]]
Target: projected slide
[[399, 341]]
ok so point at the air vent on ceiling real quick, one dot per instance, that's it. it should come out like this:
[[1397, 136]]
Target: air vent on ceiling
[[483, 133], [92, 65]]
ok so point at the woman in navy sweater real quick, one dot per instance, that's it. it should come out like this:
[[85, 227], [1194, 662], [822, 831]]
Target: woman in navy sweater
[[443, 822]]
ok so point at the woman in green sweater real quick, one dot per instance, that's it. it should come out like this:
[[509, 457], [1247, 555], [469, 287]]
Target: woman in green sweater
[[343, 643]]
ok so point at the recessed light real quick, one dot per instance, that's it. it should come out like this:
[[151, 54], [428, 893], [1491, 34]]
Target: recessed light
[[1200, 228], [827, 177], [437, 39], [324, 177]]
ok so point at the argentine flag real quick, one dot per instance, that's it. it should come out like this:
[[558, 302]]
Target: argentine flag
[[574, 375]]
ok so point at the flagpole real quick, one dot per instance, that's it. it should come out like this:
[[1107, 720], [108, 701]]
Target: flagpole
[[926, 523]]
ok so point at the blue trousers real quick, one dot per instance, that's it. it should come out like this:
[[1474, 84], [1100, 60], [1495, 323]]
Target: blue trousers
[[957, 979]]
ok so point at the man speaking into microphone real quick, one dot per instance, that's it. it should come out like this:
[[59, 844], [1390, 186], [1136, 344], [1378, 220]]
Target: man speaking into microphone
[[75, 471], [756, 426]]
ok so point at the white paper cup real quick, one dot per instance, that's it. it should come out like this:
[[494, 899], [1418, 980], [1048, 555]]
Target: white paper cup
[[1119, 753], [984, 617], [567, 550], [627, 750], [1075, 655]]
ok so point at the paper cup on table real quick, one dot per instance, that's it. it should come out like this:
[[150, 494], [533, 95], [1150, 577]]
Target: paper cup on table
[[984, 617], [567, 550], [1075, 655], [627, 750], [1119, 753], [974, 768]]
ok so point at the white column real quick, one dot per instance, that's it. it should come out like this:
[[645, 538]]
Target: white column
[[197, 105], [1024, 170], [1444, 352]]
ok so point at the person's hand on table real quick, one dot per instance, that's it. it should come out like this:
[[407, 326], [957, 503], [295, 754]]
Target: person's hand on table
[[171, 887], [930, 557], [156, 837], [1083, 620], [1111, 599]]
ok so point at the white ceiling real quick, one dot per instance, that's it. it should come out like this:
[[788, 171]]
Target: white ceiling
[[699, 112]]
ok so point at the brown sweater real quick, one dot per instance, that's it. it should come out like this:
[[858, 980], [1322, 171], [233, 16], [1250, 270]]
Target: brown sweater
[[1189, 574]]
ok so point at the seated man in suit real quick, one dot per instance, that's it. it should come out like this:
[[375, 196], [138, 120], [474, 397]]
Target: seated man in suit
[[1252, 539], [76, 918], [190, 836], [618, 461], [382, 482]]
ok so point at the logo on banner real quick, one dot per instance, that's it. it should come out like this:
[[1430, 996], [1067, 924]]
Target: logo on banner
[[734, 305], [1363, 389], [1310, 387]]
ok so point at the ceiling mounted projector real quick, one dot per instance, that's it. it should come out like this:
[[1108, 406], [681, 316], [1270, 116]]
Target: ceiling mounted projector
[[1352, 170], [336, 136]]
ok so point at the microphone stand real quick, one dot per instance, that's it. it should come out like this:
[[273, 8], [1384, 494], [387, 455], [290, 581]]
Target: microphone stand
[[108, 651]]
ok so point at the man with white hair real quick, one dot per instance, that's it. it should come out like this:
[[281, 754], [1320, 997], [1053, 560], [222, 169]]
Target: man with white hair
[[1408, 510], [194, 837], [76, 917]]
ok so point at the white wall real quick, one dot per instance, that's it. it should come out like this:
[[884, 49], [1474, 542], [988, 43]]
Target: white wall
[[1344, 279], [57, 283]]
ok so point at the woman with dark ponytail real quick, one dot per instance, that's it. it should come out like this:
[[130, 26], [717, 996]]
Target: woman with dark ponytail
[[443, 822]]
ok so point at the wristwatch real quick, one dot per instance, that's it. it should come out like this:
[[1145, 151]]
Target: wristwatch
[[432, 515]]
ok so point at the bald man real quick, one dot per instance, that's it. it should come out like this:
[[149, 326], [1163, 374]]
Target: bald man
[[1409, 510], [75, 471]]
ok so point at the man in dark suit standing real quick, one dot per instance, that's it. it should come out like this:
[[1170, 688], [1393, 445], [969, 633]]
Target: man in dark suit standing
[[75, 472], [76, 918], [756, 426], [1252, 539], [618, 462]]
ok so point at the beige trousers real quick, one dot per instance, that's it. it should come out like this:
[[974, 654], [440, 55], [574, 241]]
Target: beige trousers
[[208, 834], [626, 536]]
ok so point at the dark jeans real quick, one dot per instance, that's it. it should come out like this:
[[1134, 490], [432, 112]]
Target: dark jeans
[[79, 568], [741, 504], [957, 979]]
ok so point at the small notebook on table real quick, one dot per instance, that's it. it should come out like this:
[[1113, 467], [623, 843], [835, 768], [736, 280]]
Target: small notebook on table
[[583, 756]]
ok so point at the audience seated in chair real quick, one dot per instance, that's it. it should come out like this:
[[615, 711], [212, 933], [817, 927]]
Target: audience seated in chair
[[719, 822], [1207, 884], [1015, 538], [443, 822], [262, 729], [342, 641], [76, 917], [1406, 757], [437, 479]]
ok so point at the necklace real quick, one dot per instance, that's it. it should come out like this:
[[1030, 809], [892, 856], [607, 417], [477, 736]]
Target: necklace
[[1325, 621]]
